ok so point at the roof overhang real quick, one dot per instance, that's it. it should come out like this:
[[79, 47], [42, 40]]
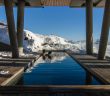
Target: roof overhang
[[70, 3]]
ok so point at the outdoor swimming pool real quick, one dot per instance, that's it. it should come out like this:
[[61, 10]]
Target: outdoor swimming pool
[[56, 69]]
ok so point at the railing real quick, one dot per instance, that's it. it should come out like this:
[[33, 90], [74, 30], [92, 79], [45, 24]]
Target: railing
[[55, 90]]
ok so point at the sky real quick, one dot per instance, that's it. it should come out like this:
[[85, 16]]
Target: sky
[[66, 22]]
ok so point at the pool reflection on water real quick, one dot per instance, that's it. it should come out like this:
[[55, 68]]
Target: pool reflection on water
[[55, 69]]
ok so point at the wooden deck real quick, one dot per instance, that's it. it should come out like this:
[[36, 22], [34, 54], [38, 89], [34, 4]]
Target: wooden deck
[[14, 75], [15, 67], [100, 69], [97, 68]]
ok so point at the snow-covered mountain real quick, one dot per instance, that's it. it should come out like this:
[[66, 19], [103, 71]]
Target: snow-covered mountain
[[35, 42], [4, 33]]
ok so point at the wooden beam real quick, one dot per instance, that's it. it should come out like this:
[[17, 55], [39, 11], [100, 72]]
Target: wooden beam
[[105, 31], [89, 27], [11, 28], [101, 4], [52, 89], [76, 3], [97, 2], [34, 3], [20, 25]]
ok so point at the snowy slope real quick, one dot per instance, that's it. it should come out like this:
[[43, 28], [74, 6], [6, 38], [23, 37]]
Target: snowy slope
[[82, 46], [35, 42], [32, 42], [4, 33]]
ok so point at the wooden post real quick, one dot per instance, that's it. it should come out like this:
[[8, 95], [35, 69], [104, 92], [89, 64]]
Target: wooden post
[[88, 78], [105, 31], [20, 25], [11, 28], [89, 27]]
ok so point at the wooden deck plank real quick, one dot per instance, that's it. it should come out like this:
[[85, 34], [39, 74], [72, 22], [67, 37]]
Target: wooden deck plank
[[85, 57], [22, 57], [15, 67], [98, 68], [5, 79], [26, 62], [16, 59], [94, 61], [15, 64]]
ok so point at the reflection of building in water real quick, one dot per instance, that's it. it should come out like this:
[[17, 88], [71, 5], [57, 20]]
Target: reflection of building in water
[[54, 57]]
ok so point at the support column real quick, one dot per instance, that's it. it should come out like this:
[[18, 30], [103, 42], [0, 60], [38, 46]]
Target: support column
[[20, 25], [105, 31], [89, 26], [11, 28]]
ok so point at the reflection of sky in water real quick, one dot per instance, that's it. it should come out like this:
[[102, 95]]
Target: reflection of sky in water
[[60, 70]]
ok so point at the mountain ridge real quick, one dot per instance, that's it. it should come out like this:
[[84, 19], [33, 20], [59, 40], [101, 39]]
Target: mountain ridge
[[35, 42]]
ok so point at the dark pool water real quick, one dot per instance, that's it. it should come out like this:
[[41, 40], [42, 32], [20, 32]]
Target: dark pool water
[[59, 69]]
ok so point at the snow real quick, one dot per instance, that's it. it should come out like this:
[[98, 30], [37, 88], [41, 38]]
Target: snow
[[4, 72], [33, 42], [4, 34], [36, 42]]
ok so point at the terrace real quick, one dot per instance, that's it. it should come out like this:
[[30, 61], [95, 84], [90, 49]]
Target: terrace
[[95, 66]]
